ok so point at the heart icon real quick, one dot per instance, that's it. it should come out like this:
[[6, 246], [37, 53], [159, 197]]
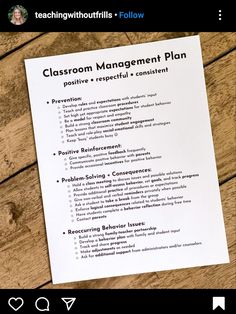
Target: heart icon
[[16, 303]]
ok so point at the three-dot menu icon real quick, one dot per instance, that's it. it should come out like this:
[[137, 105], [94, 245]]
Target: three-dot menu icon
[[220, 15]]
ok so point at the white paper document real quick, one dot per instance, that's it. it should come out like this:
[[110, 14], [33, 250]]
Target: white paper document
[[126, 160]]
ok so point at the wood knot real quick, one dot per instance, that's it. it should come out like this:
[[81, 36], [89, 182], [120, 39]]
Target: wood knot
[[8, 216], [9, 163]]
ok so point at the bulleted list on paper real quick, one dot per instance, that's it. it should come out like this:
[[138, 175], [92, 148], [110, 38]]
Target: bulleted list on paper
[[126, 160]]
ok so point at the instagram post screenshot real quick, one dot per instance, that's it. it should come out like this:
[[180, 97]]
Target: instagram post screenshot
[[118, 157]]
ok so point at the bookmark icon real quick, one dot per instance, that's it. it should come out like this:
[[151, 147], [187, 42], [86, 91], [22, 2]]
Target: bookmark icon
[[218, 302], [69, 302]]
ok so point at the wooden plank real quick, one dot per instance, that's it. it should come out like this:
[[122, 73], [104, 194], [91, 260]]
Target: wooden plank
[[23, 248], [13, 88], [220, 81], [216, 44], [213, 44], [18, 134], [16, 137], [143, 37], [10, 41]]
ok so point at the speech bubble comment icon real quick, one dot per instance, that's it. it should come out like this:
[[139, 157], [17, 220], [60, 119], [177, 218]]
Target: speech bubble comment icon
[[42, 304]]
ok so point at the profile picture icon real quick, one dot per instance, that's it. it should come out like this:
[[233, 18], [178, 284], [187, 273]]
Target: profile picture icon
[[17, 15]]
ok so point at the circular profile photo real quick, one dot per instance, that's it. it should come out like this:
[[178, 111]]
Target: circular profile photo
[[17, 15]]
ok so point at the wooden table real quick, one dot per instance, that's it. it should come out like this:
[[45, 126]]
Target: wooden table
[[23, 248]]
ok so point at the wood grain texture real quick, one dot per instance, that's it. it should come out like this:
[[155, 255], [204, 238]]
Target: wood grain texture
[[10, 41], [17, 149], [144, 37], [16, 137], [213, 44], [220, 81], [216, 44], [23, 248], [14, 100]]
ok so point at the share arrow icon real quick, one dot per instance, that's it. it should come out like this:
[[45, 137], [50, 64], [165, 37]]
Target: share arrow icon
[[69, 302]]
